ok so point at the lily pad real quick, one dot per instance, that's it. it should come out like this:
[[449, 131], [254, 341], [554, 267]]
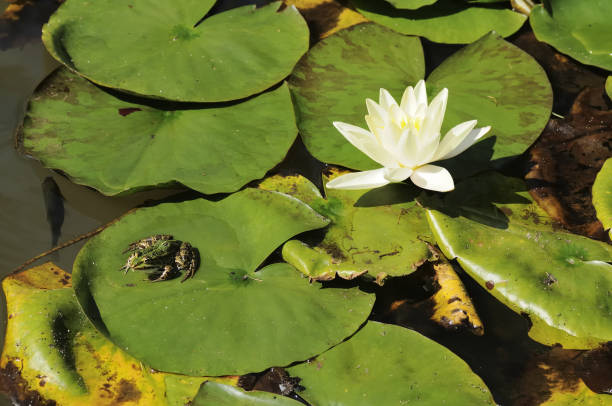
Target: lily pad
[[512, 248], [602, 195], [325, 17], [335, 77], [410, 4], [499, 85], [609, 86], [447, 21], [190, 327], [379, 231], [580, 29], [115, 146], [161, 49], [218, 394], [389, 365]]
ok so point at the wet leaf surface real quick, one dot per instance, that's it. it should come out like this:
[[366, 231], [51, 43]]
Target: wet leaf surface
[[378, 231], [576, 28], [448, 21], [117, 146], [325, 17], [190, 327], [53, 355], [227, 56], [509, 246], [212, 393], [498, 84], [566, 159], [602, 195], [378, 357], [335, 77]]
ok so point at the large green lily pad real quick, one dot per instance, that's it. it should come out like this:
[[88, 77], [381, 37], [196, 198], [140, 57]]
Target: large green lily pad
[[335, 77], [510, 246], [227, 319], [158, 49], [389, 365], [447, 21], [218, 394], [580, 29], [602, 195], [380, 231], [115, 146], [410, 4], [499, 85]]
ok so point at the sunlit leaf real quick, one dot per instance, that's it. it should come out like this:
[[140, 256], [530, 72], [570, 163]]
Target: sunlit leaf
[[602, 195], [380, 231], [580, 29], [390, 365], [160, 49], [115, 146], [218, 394], [191, 327], [448, 21], [325, 17], [499, 85], [511, 247], [410, 4]]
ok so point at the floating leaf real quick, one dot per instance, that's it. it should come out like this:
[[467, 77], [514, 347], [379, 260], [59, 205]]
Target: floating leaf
[[389, 365], [609, 86], [116, 146], [325, 17], [160, 49], [602, 195], [579, 29], [364, 58], [53, 354], [380, 231], [499, 85], [410, 4], [510, 247], [448, 21], [190, 327], [565, 160], [218, 394]]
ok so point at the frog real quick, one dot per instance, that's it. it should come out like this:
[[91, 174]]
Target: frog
[[163, 257]]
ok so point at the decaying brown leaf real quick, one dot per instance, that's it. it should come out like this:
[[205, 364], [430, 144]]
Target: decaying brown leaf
[[566, 159], [325, 17], [22, 20]]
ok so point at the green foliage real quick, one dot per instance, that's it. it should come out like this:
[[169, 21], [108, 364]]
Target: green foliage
[[448, 21], [379, 231], [410, 4], [510, 246], [580, 29], [227, 319], [361, 371], [218, 394], [159, 49], [116, 146], [602, 195]]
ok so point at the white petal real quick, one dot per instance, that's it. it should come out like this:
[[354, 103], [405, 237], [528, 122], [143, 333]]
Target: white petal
[[386, 100], [433, 177], [398, 116], [376, 111], [409, 103], [467, 142], [397, 174], [453, 137], [420, 93], [408, 151], [366, 142], [359, 180]]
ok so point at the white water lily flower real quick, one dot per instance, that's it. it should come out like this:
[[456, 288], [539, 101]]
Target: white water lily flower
[[404, 139]]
